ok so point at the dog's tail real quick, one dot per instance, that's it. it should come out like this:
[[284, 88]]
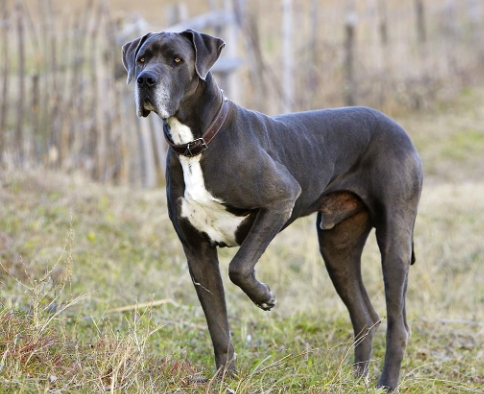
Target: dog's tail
[[413, 260]]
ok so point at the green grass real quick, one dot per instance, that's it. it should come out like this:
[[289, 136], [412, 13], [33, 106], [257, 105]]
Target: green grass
[[464, 145], [451, 141], [81, 264]]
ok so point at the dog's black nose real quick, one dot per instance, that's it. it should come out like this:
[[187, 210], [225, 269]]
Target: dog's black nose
[[146, 79]]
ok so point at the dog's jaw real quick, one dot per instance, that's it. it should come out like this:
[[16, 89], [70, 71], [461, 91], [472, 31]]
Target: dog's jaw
[[157, 101], [162, 101]]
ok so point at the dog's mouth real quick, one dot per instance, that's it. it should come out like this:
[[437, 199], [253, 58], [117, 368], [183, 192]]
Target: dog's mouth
[[148, 103], [146, 106]]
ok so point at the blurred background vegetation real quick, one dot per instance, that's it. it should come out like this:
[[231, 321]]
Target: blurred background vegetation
[[64, 104]]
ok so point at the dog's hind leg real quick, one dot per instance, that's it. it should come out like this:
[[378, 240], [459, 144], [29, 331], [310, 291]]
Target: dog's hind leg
[[395, 242], [341, 248]]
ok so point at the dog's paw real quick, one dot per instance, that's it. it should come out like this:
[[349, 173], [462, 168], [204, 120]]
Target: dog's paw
[[271, 303]]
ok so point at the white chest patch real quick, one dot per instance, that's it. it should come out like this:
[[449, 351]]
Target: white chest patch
[[204, 211], [180, 133]]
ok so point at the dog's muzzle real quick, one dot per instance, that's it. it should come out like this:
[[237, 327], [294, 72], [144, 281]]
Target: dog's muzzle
[[151, 96], [146, 84]]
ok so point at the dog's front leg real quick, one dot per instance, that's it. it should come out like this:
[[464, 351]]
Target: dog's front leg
[[205, 273], [241, 269]]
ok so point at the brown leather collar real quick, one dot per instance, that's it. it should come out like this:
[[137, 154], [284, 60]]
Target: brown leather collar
[[198, 145]]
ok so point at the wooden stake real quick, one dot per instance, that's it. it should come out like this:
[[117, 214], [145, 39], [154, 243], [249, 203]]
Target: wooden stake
[[19, 137], [4, 15], [287, 56], [349, 46]]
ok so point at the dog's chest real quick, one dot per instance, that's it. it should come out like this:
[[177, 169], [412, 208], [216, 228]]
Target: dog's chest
[[204, 211]]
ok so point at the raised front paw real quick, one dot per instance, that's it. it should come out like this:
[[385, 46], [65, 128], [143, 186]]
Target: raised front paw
[[271, 299]]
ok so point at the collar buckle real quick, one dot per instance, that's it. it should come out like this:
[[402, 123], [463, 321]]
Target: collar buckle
[[193, 144]]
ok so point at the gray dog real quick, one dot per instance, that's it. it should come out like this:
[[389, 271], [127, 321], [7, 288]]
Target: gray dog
[[236, 177]]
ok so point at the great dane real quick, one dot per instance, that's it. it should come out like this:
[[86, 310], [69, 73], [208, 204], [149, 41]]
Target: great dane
[[236, 177]]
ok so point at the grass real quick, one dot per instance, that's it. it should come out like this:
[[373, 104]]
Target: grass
[[95, 294], [451, 139]]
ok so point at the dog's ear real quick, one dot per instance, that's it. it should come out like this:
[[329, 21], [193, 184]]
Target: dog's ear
[[207, 50], [129, 51]]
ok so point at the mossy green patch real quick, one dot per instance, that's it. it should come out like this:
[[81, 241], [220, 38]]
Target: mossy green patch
[[464, 145]]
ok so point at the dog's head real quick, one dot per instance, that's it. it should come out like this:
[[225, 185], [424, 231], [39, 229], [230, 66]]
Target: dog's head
[[168, 68]]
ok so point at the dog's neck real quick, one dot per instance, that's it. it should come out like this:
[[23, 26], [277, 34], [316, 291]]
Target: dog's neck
[[199, 110]]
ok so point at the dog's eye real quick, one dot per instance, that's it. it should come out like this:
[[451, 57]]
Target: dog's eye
[[142, 60], [177, 60]]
